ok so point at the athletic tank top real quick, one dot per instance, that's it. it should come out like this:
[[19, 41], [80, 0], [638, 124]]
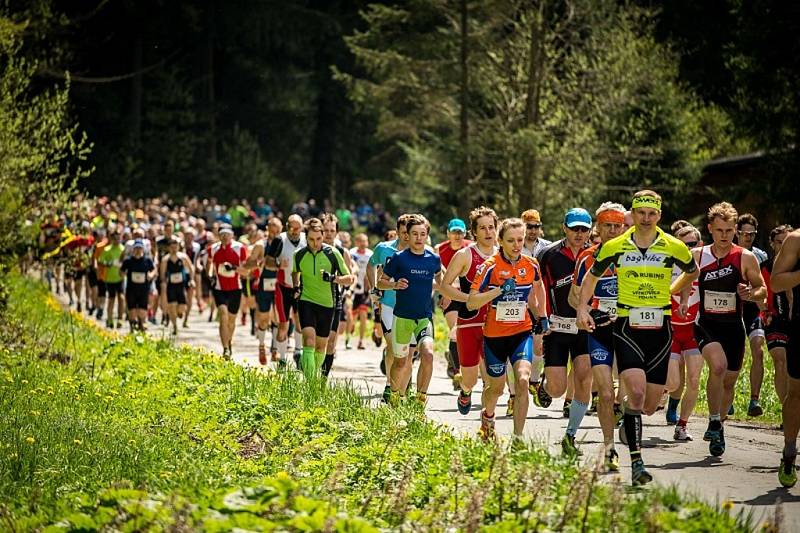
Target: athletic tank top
[[175, 271], [267, 279], [717, 284], [477, 316], [288, 248]]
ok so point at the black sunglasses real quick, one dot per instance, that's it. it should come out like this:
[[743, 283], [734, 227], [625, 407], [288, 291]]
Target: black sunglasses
[[691, 244], [533, 226], [579, 229]]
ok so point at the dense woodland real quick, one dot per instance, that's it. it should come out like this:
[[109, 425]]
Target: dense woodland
[[419, 104]]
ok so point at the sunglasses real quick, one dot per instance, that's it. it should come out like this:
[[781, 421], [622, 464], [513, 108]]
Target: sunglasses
[[579, 229], [691, 244], [533, 226], [747, 233]]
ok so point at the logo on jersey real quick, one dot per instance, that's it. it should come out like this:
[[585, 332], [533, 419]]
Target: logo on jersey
[[645, 291], [599, 354], [609, 287], [521, 271], [639, 259], [717, 274], [420, 272], [564, 281]]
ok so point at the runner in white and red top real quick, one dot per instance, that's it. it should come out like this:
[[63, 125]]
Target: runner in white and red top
[[227, 259], [456, 233], [279, 255], [685, 362], [469, 331]]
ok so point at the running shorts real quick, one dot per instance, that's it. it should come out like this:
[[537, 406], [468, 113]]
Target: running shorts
[[730, 335], [752, 320], [793, 349], [264, 300], [91, 277], [176, 293], [683, 341], [469, 339], [230, 299], [338, 318], [777, 333], [75, 274], [645, 349], [114, 289], [410, 332], [600, 345], [137, 296], [285, 302], [387, 318], [205, 286], [501, 350], [101, 288], [452, 306], [361, 303], [560, 347], [315, 316]]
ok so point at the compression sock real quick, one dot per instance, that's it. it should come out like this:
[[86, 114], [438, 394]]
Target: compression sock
[[673, 403], [273, 329], [577, 410], [327, 364], [633, 430], [453, 351], [790, 449], [260, 333], [308, 362], [319, 359], [282, 345], [298, 340]]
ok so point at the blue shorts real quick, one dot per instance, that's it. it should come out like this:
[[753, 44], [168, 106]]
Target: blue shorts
[[601, 346], [497, 351]]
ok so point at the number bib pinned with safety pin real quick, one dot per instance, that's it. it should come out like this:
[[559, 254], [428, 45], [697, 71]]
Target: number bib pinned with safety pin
[[646, 317], [511, 311], [719, 302]]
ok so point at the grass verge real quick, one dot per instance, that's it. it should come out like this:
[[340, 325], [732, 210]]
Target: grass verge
[[132, 434]]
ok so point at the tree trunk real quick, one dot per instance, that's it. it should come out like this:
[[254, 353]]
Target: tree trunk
[[462, 177], [136, 94], [210, 95], [530, 188]]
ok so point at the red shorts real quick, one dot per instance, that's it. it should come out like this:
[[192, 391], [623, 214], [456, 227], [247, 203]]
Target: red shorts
[[469, 339], [683, 341]]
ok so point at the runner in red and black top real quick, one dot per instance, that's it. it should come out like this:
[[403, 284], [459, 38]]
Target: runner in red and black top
[[565, 341], [729, 275], [227, 258], [456, 233], [330, 228], [469, 327], [776, 317]]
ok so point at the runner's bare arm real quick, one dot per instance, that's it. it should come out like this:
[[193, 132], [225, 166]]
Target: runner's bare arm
[[686, 278], [757, 291], [458, 267], [585, 320], [783, 277], [477, 299]]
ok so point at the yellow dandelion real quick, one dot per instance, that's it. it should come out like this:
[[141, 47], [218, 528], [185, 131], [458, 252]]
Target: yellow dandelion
[[30, 440], [36, 413], [24, 381], [131, 441], [77, 396], [77, 442], [727, 505]]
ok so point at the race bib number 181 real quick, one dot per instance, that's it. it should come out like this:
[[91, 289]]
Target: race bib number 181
[[646, 317]]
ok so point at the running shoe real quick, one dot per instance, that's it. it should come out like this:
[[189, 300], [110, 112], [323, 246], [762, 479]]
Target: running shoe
[[110, 324], [274, 354], [540, 396], [639, 476], [376, 339], [510, 406], [787, 472], [618, 414], [226, 353], [681, 434], [421, 398], [612, 460], [387, 392], [518, 443], [347, 344], [464, 403], [486, 431], [568, 447], [360, 345], [716, 446], [565, 409], [262, 354], [754, 409], [383, 362]]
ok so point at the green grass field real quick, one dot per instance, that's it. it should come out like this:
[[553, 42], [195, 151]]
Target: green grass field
[[131, 434]]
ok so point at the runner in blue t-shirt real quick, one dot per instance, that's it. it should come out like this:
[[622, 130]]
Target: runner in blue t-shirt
[[412, 273]]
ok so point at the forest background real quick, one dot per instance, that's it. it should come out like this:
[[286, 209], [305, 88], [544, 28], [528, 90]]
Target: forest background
[[432, 105]]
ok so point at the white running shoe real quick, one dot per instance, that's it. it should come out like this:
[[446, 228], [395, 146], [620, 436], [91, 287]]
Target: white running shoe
[[681, 434]]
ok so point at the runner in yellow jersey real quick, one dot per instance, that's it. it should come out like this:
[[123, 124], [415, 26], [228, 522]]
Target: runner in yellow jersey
[[643, 256]]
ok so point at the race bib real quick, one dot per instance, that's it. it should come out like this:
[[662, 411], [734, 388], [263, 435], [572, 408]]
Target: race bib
[[646, 317], [176, 277], [719, 302], [138, 277], [268, 284], [564, 324], [608, 305], [511, 311]]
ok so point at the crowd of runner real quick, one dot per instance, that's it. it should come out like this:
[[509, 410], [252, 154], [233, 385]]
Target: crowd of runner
[[618, 316]]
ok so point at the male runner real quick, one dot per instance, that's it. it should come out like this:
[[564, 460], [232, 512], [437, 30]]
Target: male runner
[[565, 340], [643, 257], [786, 277], [330, 228], [469, 332], [685, 361], [226, 258], [746, 231], [511, 284], [777, 315], [279, 255], [385, 316], [411, 273], [456, 233], [610, 218], [173, 272], [316, 268], [534, 242], [361, 304], [729, 276], [140, 271], [111, 260]]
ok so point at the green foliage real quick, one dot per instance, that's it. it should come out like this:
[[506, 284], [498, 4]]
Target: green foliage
[[132, 434], [42, 151]]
